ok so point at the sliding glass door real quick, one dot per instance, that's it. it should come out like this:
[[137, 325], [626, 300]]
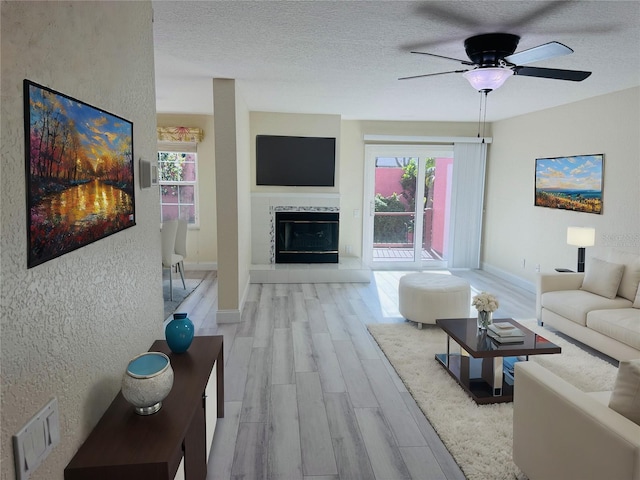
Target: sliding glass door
[[407, 190]]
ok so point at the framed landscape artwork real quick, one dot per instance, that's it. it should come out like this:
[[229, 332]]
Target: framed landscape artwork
[[570, 183], [79, 170]]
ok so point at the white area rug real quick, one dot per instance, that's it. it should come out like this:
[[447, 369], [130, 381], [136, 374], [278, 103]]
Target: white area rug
[[479, 437]]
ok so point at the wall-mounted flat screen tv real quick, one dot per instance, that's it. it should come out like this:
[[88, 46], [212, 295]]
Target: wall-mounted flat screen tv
[[295, 161]]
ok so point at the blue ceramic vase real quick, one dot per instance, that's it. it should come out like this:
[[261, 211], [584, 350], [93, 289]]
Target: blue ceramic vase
[[179, 333]]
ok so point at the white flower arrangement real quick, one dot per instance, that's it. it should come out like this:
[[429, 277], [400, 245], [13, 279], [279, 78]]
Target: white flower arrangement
[[485, 302]]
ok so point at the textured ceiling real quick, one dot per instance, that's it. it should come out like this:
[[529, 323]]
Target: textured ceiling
[[345, 57]]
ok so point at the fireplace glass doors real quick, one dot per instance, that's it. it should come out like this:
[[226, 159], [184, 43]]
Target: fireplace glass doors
[[307, 237]]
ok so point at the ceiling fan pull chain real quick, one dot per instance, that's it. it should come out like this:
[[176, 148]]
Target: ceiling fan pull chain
[[480, 114], [484, 120]]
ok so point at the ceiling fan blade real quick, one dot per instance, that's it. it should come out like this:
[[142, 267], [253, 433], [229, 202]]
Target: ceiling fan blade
[[558, 74], [461, 16], [447, 15], [541, 11], [541, 52], [433, 74], [464, 62]]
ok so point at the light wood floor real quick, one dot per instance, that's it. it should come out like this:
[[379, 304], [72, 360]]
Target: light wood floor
[[308, 393]]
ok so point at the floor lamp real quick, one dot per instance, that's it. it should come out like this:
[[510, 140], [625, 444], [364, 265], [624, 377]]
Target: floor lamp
[[581, 237]]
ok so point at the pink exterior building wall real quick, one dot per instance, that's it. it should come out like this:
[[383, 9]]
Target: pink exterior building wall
[[440, 205], [388, 182]]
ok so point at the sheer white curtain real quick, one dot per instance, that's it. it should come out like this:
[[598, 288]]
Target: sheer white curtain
[[467, 199]]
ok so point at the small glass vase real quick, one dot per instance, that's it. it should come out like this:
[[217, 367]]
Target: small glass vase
[[179, 333], [484, 319]]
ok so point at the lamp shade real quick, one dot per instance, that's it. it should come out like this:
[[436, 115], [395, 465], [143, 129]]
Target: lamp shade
[[581, 236], [487, 78]]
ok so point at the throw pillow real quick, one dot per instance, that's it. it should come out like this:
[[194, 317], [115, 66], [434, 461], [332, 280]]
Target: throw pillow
[[631, 275], [602, 278], [625, 398], [636, 302]]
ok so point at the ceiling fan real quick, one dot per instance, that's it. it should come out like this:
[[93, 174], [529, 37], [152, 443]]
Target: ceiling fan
[[493, 61]]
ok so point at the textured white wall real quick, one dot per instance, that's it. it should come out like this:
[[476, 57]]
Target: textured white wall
[[516, 230], [70, 325]]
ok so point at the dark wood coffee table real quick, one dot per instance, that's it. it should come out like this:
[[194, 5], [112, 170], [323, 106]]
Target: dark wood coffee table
[[479, 364]]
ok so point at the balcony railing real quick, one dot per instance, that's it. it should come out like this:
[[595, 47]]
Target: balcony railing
[[395, 229]]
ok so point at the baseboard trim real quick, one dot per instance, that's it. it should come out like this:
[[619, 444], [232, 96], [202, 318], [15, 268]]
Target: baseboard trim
[[245, 294], [228, 316], [234, 315], [201, 266], [517, 281]]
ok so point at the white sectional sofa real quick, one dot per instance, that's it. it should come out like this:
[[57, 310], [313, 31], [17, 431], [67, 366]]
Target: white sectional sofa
[[600, 308], [563, 433]]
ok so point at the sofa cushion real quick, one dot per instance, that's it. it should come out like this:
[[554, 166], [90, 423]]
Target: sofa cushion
[[622, 324], [575, 304], [602, 278], [631, 276], [636, 303], [625, 398]]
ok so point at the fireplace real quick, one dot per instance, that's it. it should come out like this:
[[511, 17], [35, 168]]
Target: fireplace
[[307, 237]]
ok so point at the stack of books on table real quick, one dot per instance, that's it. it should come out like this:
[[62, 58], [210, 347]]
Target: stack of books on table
[[504, 332], [509, 364]]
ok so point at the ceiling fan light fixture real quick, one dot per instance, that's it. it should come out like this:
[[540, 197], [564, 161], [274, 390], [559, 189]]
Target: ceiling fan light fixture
[[486, 79]]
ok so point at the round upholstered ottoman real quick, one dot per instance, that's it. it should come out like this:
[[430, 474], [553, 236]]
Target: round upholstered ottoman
[[424, 297]]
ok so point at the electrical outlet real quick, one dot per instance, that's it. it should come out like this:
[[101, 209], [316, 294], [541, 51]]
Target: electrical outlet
[[524, 263], [36, 439], [537, 267]]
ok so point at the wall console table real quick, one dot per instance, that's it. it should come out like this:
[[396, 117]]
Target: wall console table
[[173, 443]]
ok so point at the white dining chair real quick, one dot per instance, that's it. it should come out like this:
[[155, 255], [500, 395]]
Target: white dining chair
[[169, 256], [181, 242]]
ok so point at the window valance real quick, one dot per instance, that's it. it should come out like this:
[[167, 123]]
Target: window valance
[[180, 134]]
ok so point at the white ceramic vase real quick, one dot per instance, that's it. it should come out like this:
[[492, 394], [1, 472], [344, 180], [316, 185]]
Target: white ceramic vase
[[147, 381]]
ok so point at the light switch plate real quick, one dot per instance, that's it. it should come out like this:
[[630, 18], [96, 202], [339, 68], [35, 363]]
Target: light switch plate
[[36, 439]]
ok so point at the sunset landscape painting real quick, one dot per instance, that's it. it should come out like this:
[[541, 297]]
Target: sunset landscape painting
[[570, 183], [79, 169]]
